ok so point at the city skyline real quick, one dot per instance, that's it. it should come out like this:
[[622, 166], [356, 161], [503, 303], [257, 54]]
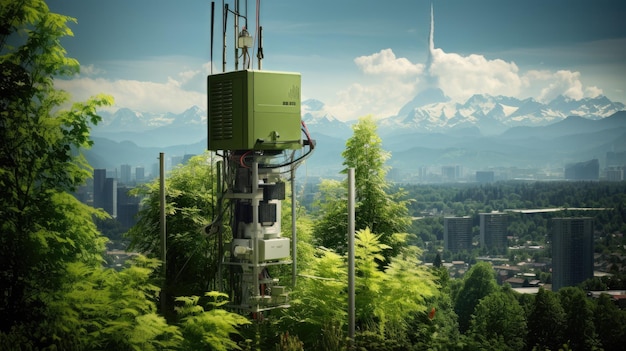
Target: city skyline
[[359, 58]]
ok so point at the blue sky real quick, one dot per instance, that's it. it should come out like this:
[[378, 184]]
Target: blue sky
[[358, 56]]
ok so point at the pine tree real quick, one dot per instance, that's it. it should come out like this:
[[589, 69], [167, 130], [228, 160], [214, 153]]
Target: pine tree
[[546, 322], [383, 213]]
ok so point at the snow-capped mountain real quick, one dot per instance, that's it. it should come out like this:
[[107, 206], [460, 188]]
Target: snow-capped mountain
[[153, 129], [318, 118], [127, 120], [432, 111]]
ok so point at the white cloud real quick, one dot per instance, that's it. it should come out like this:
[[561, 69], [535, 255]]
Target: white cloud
[[382, 99], [545, 85], [136, 95], [385, 62], [593, 91], [398, 79], [179, 92], [388, 83], [382, 85], [463, 76], [90, 70]]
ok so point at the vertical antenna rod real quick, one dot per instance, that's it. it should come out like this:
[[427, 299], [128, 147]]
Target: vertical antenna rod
[[259, 54], [224, 21], [212, 30], [236, 20]]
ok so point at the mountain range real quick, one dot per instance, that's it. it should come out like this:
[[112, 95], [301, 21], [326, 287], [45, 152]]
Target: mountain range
[[430, 130]]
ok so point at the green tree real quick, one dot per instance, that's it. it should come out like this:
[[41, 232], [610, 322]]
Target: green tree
[[498, 320], [105, 309], [43, 227], [478, 282], [439, 328], [208, 327], [579, 327], [55, 294], [383, 213], [386, 299], [546, 322], [610, 324], [318, 310], [192, 254]]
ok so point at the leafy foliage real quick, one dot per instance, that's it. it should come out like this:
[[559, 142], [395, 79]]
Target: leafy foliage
[[546, 322], [114, 310], [43, 227], [499, 320], [208, 327], [386, 299], [383, 213], [610, 323], [478, 282], [190, 204], [579, 326]]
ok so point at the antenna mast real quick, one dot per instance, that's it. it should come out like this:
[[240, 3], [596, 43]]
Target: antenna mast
[[254, 123]]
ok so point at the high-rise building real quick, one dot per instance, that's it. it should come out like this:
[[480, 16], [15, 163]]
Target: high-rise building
[[615, 158], [572, 251], [176, 160], [589, 170], [110, 196], [449, 172], [493, 230], [125, 174], [615, 174], [127, 207], [457, 233], [99, 177], [484, 176], [104, 192], [139, 174]]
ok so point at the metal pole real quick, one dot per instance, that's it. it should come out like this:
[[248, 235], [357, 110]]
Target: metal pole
[[255, 232], [294, 234], [236, 20], [162, 226], [220, 240], [224, 27], [351, 274]]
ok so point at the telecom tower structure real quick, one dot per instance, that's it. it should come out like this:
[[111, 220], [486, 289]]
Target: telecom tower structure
[[254, 125]]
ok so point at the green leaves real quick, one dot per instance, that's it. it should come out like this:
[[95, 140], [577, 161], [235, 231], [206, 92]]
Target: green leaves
[[385, 302], [191, 254], [478, 282], [44, 229], [208, 327], [499, 319], [383, 213]]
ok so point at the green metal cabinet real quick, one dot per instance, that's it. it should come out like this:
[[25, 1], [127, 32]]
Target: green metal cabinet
[[254, 110]]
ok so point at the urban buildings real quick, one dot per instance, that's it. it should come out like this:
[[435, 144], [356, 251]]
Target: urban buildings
[[572, 251], [485, 176], [451, 173], [112, 196], [457, 233], [588, 170], [104, 192], [140, 174], [493, 230], [127, 207], [614, 174], [125, 174]]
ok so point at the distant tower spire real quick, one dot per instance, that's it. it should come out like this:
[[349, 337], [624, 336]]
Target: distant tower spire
[[431, 34], [431, 46]]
